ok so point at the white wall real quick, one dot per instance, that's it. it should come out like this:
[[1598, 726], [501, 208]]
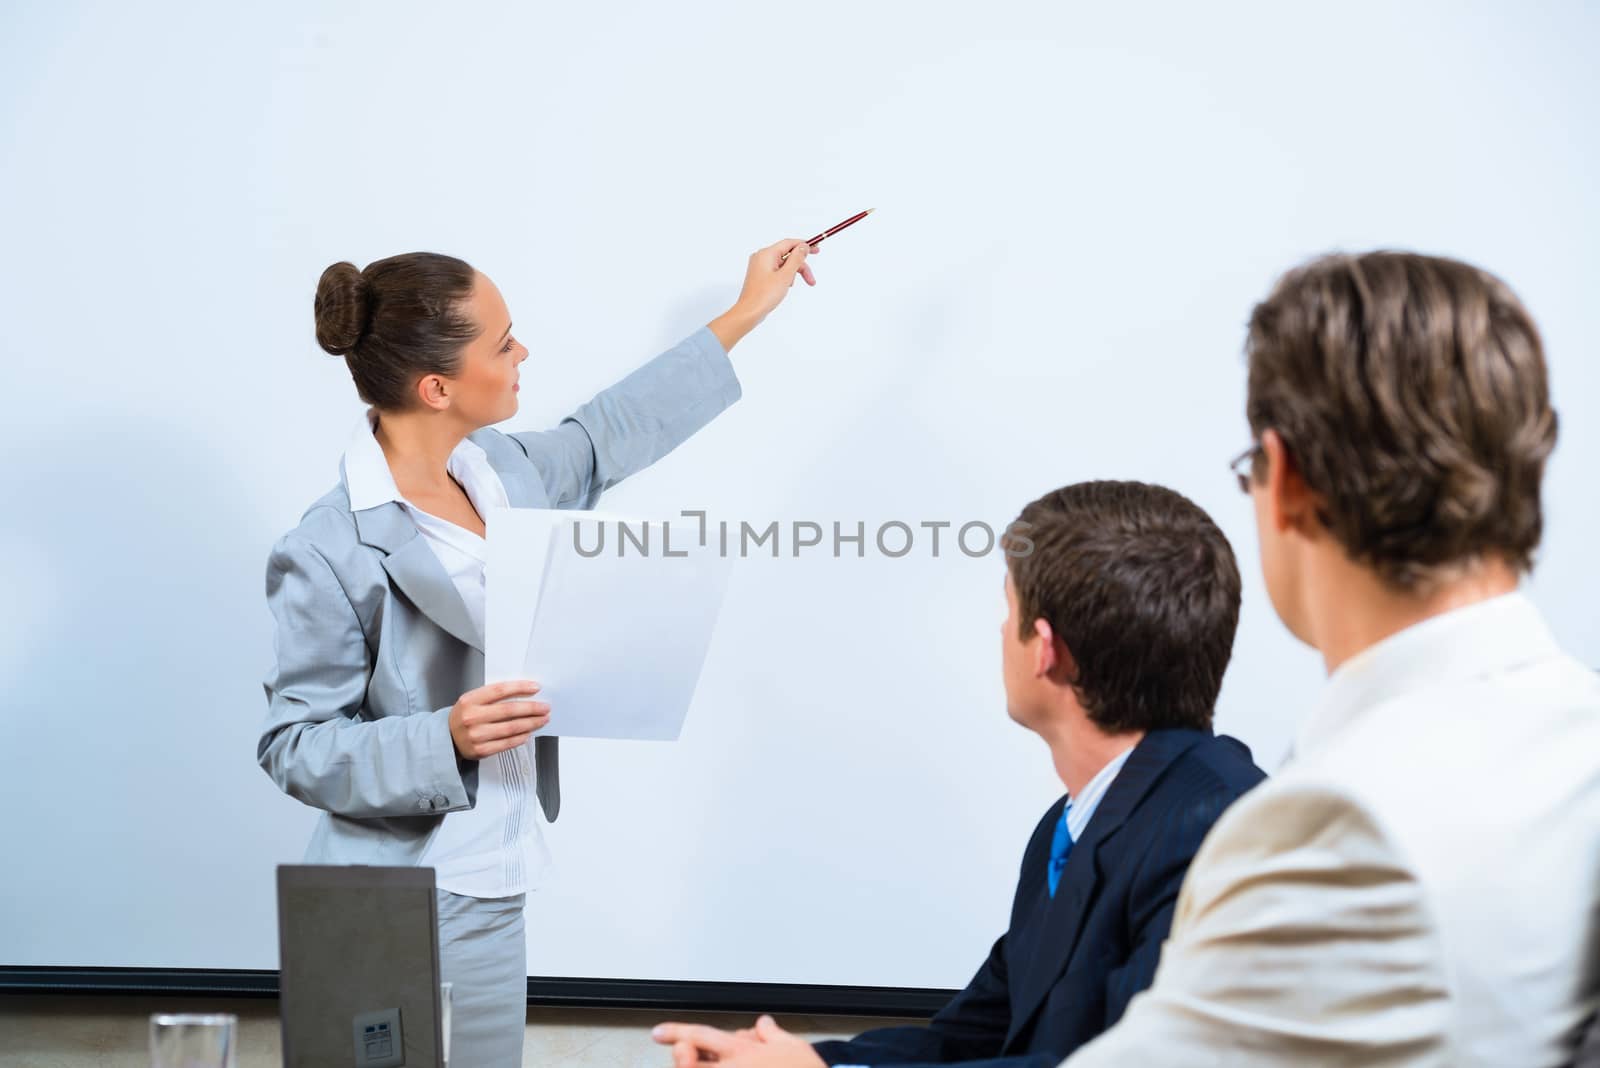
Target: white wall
[[1077, 207]]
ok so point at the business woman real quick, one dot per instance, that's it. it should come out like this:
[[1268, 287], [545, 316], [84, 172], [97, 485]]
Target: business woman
[[376, 709]]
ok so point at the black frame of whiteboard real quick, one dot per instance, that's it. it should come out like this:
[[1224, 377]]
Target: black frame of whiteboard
[[664, 994]]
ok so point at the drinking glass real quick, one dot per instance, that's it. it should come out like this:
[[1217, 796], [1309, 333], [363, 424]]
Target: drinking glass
[[444, 1020], [188, 1040]]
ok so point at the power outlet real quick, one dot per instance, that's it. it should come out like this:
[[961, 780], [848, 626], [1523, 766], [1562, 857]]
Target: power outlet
[[379, 1043]]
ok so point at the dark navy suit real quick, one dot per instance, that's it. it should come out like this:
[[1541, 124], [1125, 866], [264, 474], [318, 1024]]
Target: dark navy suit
[[1068, 966]]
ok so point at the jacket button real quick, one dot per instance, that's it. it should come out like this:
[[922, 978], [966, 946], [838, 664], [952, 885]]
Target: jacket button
[[440, 801], [424, 804]]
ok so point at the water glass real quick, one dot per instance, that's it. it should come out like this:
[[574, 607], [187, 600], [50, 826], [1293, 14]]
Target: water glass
[[444, 1020], [193, 1041]]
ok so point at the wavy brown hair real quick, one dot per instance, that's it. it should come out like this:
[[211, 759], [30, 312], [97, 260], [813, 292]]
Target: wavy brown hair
[[1411, 395]]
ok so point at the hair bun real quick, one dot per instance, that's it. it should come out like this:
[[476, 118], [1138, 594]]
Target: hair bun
[[343, 308]]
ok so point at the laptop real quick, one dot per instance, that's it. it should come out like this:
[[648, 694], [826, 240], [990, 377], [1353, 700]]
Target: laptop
[[358, 956]]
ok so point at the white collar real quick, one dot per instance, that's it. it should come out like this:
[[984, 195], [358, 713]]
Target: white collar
[[1484, 638], [1080, 809], [366, 470]]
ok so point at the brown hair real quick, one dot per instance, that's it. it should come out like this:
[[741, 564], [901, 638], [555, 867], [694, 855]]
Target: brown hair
[[399, 319], [1143, 589], [1411, 394]]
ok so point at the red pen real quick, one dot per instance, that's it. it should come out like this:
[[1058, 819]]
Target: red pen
[[830, 231]]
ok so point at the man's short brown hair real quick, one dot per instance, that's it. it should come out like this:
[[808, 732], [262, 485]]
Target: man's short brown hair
[[1143, 589], [1411, 395]]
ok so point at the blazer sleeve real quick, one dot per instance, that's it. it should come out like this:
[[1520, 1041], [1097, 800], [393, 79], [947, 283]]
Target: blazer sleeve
[[1300, 936], [632, 424], [1154, 898], [314, 743], [972, 1025], [1020, 1060]]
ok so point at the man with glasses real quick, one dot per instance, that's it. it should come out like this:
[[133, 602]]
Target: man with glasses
[[1419, 884]]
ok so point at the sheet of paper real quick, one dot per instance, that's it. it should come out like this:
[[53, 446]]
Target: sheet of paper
[[619, 617], [514, 565]]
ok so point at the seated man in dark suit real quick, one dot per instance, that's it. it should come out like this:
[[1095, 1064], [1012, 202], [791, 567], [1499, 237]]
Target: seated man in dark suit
[[1123, 599]]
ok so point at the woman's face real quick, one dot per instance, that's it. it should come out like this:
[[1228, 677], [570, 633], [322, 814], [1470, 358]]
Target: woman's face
[[484, 392]]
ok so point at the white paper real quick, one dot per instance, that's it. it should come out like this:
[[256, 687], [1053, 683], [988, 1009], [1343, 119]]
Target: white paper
[[514, 564], [617, 639]]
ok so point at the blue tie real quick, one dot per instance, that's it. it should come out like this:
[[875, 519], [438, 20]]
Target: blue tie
[[1060, 846]]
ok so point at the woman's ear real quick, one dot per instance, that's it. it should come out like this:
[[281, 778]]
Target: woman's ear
[[433, 391]]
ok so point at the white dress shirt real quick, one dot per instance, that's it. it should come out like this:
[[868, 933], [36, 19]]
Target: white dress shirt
[[1418, 886], [1080, 809], [496, 848]]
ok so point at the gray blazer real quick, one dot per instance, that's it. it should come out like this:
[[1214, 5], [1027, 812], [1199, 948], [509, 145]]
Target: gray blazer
[[374, 645]]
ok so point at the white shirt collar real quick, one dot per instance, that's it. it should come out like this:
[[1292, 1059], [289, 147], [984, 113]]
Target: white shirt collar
[[366, 470], [1481, 639], [1081, 807]]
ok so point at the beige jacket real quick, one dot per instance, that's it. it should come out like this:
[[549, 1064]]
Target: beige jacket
[[1418, 886]]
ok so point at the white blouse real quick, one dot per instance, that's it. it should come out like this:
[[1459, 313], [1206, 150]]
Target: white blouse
[[497, 847]]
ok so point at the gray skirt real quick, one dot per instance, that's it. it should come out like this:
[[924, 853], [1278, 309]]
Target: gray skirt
[[483, 954]]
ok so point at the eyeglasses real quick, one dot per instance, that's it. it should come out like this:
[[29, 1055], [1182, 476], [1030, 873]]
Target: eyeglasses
[[1245, 474]]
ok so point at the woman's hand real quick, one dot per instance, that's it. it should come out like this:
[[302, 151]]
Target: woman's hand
[[766, 282], [483, 723]]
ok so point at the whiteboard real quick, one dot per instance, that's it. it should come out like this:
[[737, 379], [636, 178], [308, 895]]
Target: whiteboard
[[1077, 207]]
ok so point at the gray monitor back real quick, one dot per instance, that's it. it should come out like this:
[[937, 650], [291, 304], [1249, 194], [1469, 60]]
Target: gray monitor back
[[358, 947]]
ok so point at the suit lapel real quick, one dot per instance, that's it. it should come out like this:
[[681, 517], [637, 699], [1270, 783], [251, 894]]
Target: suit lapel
[[520, 478], [412, 563], [1080, 882], [414, 568]]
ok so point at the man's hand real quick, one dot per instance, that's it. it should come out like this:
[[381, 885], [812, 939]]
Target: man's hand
[[766, 1046]]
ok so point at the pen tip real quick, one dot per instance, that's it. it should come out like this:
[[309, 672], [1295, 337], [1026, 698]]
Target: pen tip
[[871, 210]]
